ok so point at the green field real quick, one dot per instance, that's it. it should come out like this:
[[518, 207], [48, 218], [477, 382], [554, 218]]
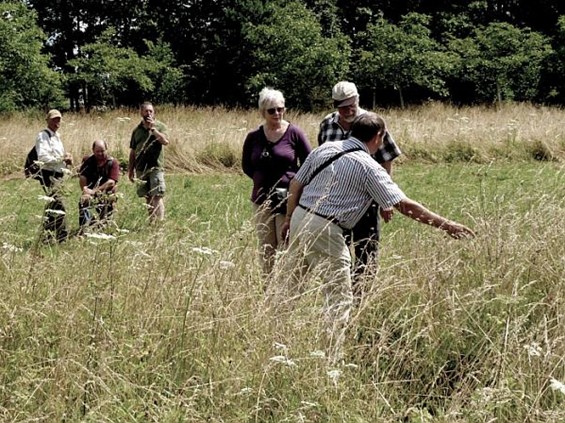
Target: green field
[[170, 323]]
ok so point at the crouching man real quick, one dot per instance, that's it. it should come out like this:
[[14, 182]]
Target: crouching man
[[99, 174]]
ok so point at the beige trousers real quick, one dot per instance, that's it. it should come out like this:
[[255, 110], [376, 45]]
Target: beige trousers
[[268, 228], [317, 245]]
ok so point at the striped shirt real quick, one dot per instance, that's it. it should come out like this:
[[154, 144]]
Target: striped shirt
[[345, 189], [331, 130]]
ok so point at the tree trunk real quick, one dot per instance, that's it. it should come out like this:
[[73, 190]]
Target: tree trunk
[[401, 96]]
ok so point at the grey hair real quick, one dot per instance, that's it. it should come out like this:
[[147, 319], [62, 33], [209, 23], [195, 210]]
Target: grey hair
[[367, 125], [268, 96]]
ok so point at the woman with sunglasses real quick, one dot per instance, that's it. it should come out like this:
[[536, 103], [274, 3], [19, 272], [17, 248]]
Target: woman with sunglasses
[[272, 154]]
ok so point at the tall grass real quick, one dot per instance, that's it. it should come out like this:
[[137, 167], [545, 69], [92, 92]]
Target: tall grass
[[211, 138], [170, 323]]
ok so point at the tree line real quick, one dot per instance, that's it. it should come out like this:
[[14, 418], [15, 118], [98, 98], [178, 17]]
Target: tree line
[[78, 54]]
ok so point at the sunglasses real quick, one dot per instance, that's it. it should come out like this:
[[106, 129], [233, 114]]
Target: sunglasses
[[275, 109]]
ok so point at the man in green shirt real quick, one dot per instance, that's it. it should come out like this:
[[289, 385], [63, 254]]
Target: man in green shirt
[[146, 159]]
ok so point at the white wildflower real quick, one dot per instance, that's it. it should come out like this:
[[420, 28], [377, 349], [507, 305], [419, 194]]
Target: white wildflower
[[309, 404], [351, 366], [226, 264], [58, 212], [334, 375], [99, 236], [245, 391], [280, 346], [11, 248], [318, 354], [556, 385], [204, 250], [534, 349], [45, 198], [283, 360]]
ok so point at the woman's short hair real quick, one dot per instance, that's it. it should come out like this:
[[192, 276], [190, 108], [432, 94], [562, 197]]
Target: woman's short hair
[[366, 126], [268, 96]]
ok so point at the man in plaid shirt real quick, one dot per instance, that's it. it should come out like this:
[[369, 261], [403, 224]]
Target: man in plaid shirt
[[336, 127]]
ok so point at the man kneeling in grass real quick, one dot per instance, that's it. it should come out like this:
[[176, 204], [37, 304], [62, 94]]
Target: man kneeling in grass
[[99, 174], [329, 194]]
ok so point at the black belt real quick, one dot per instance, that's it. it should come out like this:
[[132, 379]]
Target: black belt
[[328, 218]]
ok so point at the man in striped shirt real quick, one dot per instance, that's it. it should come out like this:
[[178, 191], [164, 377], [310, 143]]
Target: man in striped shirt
[[322, 205], [337, 127]]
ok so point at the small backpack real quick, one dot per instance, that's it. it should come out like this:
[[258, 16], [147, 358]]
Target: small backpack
[[31, 168]]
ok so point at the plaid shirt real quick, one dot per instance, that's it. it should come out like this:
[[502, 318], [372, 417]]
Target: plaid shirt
[[331, 130]]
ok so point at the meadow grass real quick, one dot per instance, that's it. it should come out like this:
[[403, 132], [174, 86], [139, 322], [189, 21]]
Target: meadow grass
[[170, 323], [205, 139]]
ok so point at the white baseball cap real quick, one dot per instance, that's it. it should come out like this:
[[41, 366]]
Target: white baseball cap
[[344, 90]]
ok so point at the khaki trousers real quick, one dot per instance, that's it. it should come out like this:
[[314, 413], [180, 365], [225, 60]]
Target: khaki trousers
[[268, 228], [317, 245]]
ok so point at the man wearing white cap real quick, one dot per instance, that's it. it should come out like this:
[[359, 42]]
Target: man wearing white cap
[[337, 127], [53, 158]]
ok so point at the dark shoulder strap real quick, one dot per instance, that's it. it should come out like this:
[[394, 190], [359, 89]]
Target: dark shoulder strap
[[331, 160], [109, 164]]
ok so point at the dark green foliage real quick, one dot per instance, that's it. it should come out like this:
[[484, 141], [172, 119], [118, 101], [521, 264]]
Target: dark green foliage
[[554, 82], [25, 77], [290, 53], [402, 56], [502, 62], [221, 52], [110, 75]]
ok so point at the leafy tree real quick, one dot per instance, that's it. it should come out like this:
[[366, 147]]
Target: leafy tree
[[502, 62], [328, 15], [68, 25], [25, 77], [168, 79], [109, 74], [209, 43], [555, 85], [290, 54], [73, 24], [401, 57]]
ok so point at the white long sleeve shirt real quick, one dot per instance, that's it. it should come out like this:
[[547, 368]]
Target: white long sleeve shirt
[[50, 150]]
